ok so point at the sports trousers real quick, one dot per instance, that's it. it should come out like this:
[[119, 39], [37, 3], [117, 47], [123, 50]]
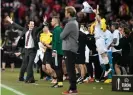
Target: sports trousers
[[70, 60]]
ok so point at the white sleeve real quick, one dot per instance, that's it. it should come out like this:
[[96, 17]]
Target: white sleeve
[[116, 34], [36, 57], [109, 38]]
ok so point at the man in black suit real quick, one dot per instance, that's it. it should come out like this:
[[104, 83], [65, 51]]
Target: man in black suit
[[30, 45]]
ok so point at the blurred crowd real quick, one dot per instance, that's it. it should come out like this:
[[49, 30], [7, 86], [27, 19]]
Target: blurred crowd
[[22, 10]]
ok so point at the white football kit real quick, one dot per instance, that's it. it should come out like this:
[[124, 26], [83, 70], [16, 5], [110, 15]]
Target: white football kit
[[101, 48], [108, 37], [100, 42]]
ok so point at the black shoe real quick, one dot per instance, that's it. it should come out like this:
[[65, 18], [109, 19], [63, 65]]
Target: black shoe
[[57, 86], [21, 79], [80, 80], [29, 81], [54, 85]]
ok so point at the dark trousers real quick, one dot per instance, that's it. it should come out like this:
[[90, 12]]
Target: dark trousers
[[131, 65], [70, 59], [58, 69], [27, 64], [39, 68], [98, 69]]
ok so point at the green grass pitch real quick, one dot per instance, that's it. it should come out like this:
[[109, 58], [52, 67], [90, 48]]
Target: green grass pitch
[[42, 87]]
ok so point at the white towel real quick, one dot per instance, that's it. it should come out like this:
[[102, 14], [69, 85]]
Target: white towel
[[41, 47], [39, 54], [87, 8]]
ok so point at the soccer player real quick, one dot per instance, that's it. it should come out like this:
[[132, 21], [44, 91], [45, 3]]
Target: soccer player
[[100, 27], [108, 37]]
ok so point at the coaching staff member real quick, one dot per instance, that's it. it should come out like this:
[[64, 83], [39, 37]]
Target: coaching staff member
[[30, 47], [70, 36]]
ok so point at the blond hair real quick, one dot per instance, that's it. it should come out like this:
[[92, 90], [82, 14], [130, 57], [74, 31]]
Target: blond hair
[[71, 10]]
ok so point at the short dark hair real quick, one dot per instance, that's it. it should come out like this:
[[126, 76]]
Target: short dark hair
[[115, 24], [126, 30], [71, 10], [29, 22]]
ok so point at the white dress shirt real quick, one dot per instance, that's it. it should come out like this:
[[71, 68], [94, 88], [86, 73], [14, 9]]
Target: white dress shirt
[[30, 41]]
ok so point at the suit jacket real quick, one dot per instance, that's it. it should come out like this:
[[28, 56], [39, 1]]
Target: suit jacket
[[21, 42], [56, 41]]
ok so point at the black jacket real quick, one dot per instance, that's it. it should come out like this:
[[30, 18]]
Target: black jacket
[[90, 41], [81, 42], [21, 42]]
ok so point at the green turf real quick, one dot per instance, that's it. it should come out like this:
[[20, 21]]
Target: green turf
[[43, 87], [6, 92]]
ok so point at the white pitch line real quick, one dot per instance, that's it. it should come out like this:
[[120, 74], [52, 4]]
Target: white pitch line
[[11, 89], [82, 93], [35, 84]]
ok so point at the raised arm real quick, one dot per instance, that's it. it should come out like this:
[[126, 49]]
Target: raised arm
[[14, 24], [96, 11], [42, 25]]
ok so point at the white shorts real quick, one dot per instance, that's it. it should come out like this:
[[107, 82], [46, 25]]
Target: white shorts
[[103, 58], [100, 59], [101, 47]]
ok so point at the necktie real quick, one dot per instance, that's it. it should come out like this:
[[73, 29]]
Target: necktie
[[28, 36]]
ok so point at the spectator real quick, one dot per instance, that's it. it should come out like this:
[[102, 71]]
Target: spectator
[[123, 10], [33, 12], [21, 11], [57, 6]]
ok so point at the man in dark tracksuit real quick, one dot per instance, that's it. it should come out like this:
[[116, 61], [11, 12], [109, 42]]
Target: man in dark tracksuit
[[93, 57], [57, 52], [70, 36]]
